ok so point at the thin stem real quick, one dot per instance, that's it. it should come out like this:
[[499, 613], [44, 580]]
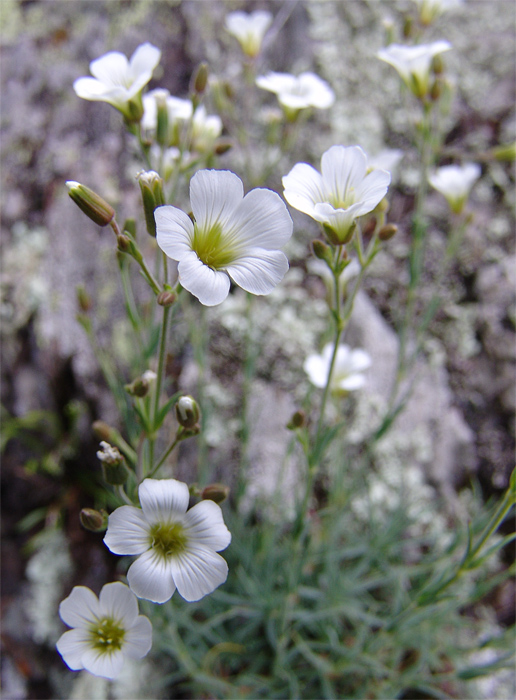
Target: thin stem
[[169, 449]]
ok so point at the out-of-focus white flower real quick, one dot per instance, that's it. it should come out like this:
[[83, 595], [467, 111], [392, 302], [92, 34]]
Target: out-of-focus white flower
[[347, 371], [249, 29], [178, 111], [387, 159], [413, 63], [431, 9], [233, 237], [119, 81], [455, 183], [295, 93], [176, 547], [206, 128], [105, 631], [338, 195]]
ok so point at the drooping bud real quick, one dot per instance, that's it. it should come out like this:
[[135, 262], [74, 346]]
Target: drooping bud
[[114, 467], [151, 186], [139, 387], [387, 232], [93, 520], [166, 298], [298, 420], [187, 412], [91, 203], [215, 492], [222, 146]]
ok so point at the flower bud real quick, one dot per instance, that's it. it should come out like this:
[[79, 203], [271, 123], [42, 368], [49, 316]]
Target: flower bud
[[187, 412], [407, 26], [83, 299], [298, 420], [114, 467], [200, 79], [93, 520], [321, 250], [222, 146], [139, 387], [91, 203], [166, 298], [102, 430], [437, 65], [215, 492], [123, 242], [387, 232], [151, 186], [435, 90], [507, 152]]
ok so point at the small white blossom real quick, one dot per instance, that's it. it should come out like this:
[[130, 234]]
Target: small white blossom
[[342, 192], [117, 80], [455, 183], [413, 63], [205, 129], [249, 29], [387, 159], [295, 93], [178, 112], [233, 237], [175, 547], [105, 631], [347, 371]]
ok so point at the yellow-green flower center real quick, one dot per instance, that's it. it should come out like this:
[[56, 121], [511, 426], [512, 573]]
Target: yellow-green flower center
[[213, 247], [343, 200], [168, 539], [107, 635]]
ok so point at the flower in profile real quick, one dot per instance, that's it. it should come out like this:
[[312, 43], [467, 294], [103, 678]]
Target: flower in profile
[[176, 547], [295, 93], [119, 81], [455, 183], [429, 10], [340, 193], [105, 631], [347, 371], [178, 111], [413, 63], [233, 237], [249, 29]]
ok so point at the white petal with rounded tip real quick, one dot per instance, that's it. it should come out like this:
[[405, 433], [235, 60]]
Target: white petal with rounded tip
[[360, 360], [81, 608], [276, 82], [138, 639], [117, 601], [142, 63], [205, 525], [127, 532], [214, 196], [111, 69], [150, 577], [303, 187], [355, 381], [259, 271], [163, 500], [373, 188], [92, 89], [102, 664], [210, 286], [198, 572], [262, 220], [317, 370], [72, 645], [174, 231], [342, 168]]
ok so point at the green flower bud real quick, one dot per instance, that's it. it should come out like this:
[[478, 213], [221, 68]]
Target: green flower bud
[[215, 492], [166, 298], [83, 299], [91, 203], [139, 387], [151, 186], [505, 153], [298, 420], [187, 412], [222, 146], [387, 232], [322, 251], [114, 467], [200, 79], [123, 242], [102, 430], [93, 520]]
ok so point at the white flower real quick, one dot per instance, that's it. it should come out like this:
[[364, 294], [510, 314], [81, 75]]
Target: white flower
[[430, 9], [105, 630], [413, 63], [387, 159], [455, 183], [175, 547], [294, 93], [249, 29], [178, 112], [347, 370], [119, 81], [341, 193], [233, 237], [205, 129]]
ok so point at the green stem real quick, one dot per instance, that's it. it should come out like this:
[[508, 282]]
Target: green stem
[[169, 449]]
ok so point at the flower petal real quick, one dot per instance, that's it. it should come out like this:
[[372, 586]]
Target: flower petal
[[128, 531], [92, 89], [142, 63], [111, 69], [118, 601], [360, 360], [259, 271], [105, 665], [198, 572], [81, 608], [150, 577], [373, 189], [210, 286], [317, 370], [205, 525], [163, 500], [342, 168], [174, 231], [262, 220], [214, 196], [303, 188], [72, 645], [138, 639]]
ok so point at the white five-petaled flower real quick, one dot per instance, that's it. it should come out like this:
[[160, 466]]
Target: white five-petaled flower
[[340, 193], [119, 81], [233, 237], [298, 92], [455, 183], [413, 63], [176, 547], [347, 371], [105, 631], [249, 29]]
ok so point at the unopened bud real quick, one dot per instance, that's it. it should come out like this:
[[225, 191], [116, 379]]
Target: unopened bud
[[187, 412], [407, 27], [200, 79], [321, 250], [215, 492], [505, 153], [166, 298], [435, 90], [123, 242], [222, 146], [151, 186], [83, 299], [139, 387], [93, 520], [387, 232], [91, 203], [437, 65], [102, 430], [298, 420], [114, 467]]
